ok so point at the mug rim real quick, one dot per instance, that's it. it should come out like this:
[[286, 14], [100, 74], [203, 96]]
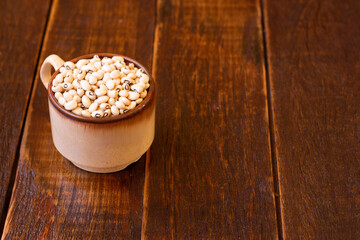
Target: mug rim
[[139, 108]]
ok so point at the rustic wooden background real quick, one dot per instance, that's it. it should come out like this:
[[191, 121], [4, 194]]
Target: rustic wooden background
[[257, 129]]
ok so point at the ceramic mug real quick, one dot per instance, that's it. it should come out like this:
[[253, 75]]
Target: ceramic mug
[[100, 144]]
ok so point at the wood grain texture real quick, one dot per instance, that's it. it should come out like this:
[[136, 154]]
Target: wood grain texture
[[21, 33], [209, 172], [53, 199], [313, 49]]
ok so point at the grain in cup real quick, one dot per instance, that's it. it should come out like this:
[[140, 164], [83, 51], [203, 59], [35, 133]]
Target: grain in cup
[[100, 87]]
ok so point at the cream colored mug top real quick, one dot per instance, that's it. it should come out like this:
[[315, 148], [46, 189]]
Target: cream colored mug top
[[56, 62]]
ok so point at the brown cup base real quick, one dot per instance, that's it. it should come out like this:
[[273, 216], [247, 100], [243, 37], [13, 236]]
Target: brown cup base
[[104, 170]]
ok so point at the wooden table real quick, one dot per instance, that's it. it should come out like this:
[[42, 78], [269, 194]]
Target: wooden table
[[257, 125]]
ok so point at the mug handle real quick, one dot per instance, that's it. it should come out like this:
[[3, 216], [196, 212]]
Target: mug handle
[[45, 72]]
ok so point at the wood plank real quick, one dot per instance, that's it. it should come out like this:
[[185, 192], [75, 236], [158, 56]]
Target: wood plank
[[22, 28], [313, 49], [52, 198], [209, 173]]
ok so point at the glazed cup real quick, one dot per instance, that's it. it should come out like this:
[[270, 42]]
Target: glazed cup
[[100, 145]]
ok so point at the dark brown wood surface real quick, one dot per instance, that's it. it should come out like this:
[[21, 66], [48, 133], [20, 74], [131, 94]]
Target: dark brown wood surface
[[257, 122], [314, 68], [209, 174], [21, 31], [53, 199]]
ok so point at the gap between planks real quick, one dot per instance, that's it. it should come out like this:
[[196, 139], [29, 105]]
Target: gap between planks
[[271, 125], [148, 153], [13, 172], [145, 198]]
